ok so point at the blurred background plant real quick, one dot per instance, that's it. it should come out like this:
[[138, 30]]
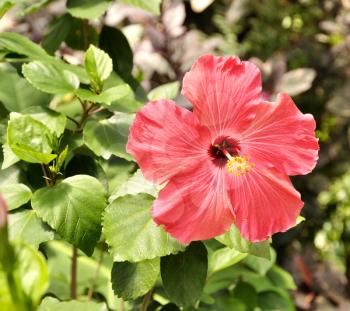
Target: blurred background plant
[[302, 48]]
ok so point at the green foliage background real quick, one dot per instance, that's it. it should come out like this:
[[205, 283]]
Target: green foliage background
[[72, 75]]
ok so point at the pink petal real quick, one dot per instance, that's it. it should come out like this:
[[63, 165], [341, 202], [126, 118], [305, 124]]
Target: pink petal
[[265, 202], [165, 139], [194, 205], [281, 136], [224, 92]]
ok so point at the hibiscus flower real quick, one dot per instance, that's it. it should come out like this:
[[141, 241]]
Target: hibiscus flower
[[228, 161]]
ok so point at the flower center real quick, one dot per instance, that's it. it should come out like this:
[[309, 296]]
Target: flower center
[[225, 151], [238, 165]]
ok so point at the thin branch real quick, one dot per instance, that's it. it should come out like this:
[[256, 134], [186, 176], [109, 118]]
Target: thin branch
[[73, 278], [47, 179], [146, 300], [91, 289], [73, 120]]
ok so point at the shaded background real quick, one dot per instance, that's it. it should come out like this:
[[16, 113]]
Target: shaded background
[[302, 48]]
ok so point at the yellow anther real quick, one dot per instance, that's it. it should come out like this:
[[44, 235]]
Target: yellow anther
[[239, 165]]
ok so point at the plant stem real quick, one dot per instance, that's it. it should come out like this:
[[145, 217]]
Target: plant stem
[[73, 278], [47, 181], [146, 300], [91, 289]]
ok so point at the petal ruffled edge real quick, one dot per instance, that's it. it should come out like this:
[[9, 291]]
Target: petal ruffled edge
[[265, 202], [281, 136], [166, 139], [224, 92]]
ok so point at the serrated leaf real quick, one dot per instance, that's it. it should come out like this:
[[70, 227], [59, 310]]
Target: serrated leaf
[[134, 185], [89, 9], [14, 42], [15, 195], [131, 233], [184, 274], [98, 65], [29, 139], [106, 96], [17, 94], [152, 6], [50, 78], [56, 120], [52, 304], [259, 264], [132, 280], [165, 91], [109, 137], [9, 157], [281, 278], [223, 258], [73, 208], [233, 239], [26, 226]]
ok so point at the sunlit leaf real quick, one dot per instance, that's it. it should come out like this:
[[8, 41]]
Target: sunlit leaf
[[131, 233], [15, 195], [29, 139], [26, 226], [73, 208]]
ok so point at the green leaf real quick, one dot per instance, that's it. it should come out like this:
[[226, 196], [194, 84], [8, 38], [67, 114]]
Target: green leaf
[[134, 185], [17, 94], [29, 139], [14, 42], [246, 293], [50, 78], [26, 226], [132, 280], [98, 66], [105, 97], [259, 264], [114, 42], [223, 258], [89, 9], [81, 35], [275, 300], [131, 233], [109, 136], [56, 120], [57, 32], [281, 278], [15, 195], [52, 304], [184, 274], [5, 7], [233, 239], [151, 6], [30, 276], [73, 208], [9, 157], [165, 91]]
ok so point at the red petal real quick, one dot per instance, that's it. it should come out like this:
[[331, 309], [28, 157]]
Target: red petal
[[165, 139], [224, 93], [265, 202], [283, 137], [194, 205]]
